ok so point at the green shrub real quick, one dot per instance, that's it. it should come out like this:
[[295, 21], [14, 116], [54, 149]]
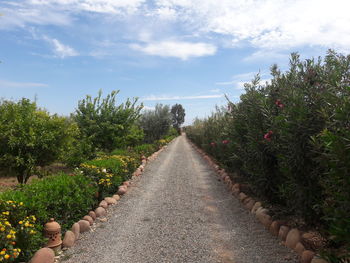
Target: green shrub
[[20, 235], [106, 124], [145, 149], [333, 145], [121, 152], [134, 137], [109, 172], [64, 197]]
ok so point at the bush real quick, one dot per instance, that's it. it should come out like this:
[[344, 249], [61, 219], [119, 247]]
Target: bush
[[20, 235], [104, 123], [332, 144], [109, 172], [134, 137], [145, 149], [71, 196]]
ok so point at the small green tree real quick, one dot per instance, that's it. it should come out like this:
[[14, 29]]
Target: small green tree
[[156, 123], [178, 115], [29, 137], [103, 122]]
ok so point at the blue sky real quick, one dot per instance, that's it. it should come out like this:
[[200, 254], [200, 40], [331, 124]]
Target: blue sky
[[163, 51]]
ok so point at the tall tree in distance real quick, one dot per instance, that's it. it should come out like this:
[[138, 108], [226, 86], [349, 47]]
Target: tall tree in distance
[[178, 116], [156, 123]]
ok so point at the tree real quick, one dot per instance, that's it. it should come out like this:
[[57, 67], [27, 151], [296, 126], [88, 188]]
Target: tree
[[29, 137], [103, 122], [178, 116], [156, 123]]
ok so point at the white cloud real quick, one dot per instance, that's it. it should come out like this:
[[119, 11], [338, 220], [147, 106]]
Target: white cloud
[[60, 50], [269, 23], [12, 84], [157, 98], [177, 49], [22, 14], [98, 6]]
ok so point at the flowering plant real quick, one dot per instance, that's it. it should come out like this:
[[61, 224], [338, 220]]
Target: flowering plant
[[268, 135], [19, 233], [279, 104], [107, 172]]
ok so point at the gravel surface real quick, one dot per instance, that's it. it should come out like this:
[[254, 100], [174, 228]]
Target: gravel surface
[[178, 211]]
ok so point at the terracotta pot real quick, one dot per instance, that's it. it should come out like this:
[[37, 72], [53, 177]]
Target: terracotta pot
[[52, 231]]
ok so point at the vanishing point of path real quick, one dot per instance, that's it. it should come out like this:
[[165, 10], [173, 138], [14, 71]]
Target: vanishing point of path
[[178, 211]]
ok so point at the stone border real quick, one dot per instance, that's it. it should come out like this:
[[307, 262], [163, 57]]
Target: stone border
[[88, 222], [304, 243]]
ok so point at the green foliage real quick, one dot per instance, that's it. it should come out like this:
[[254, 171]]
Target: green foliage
[[333, 144], [145, 149], [29, 137], [78, 147], [20, 235], [134, 137], [178, 116], [109, 172], [69, 198], [121, 151], [104, 123], [156, 123], [290, 140]]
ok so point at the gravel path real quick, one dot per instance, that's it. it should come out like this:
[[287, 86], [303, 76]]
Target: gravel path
[[178, 211]]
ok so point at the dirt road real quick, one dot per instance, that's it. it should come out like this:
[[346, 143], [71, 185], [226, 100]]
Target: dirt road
[[178, 211]]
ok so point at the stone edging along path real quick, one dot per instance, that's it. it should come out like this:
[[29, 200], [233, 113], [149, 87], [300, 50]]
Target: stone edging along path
[[88, 222], [303, 243]]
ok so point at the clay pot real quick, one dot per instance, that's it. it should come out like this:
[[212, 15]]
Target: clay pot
[[52, 231]]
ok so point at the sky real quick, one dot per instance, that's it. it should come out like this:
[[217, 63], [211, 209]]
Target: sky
[[192, 52]]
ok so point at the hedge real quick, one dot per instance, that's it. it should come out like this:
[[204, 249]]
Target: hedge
[[289, 139]]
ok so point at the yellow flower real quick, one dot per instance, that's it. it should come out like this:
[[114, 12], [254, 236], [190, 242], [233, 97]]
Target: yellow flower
[[2, 229], [7, 256], [20, 222], [9, 236], [21, 203], [2, 253], [26, 224], [32, 232]]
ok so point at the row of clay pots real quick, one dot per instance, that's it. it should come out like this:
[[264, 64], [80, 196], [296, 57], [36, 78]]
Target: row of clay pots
[[303, 243], [47, 255]]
